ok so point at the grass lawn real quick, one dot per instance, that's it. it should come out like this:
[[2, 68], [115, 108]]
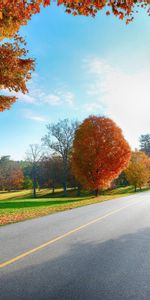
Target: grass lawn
[[19, 206]]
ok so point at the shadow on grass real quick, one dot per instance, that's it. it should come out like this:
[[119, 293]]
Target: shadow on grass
[[60, 194], [36, 203], [125, 190], [59, 198], [119, 191], [42, 194]]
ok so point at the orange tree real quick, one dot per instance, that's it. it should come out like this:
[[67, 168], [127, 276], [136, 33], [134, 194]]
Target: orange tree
[[14, 13], [138, 171], [99, 153], [15, 71]]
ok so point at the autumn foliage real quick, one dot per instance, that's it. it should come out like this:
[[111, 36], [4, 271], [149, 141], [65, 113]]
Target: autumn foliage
[[6, 102], [15, 179], [100, 152], [138, 171], [15, 71], [14, 13], [11, 175], [122, 9]]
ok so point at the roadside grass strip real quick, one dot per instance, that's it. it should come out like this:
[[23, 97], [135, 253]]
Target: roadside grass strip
[[20, 206]]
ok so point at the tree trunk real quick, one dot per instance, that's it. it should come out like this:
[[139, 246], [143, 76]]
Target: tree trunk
[[96, 192], [65, 176], [34, 182], [78, 190], [65, 188], [34, 191], [135, 188], [53, 189], [53, 186]]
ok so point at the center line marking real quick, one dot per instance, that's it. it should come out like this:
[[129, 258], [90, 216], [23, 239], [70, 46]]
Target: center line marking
[[24, 254]]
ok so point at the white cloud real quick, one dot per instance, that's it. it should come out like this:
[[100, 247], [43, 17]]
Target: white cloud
[[69, 98], [95, 106], [27, 98], [96, 66], [52, 99], [59, 98], [29, 114], [124, 96], [38, 96]]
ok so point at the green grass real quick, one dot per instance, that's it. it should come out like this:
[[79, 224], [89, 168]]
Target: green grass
[[19, 206]]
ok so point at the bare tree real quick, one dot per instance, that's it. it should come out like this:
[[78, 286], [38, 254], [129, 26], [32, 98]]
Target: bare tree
[[34, 156], [59, 138]]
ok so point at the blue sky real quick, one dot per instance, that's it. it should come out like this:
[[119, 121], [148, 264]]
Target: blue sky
[[84, 66]]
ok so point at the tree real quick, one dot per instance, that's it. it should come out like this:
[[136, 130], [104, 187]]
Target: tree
[[27, 183], [15, 178], [59, 139], [138, 171], [11, 174], [15, 71], [34, 156], [50, 172], [100, 153], [14, 13], [4, 167], [121, 180], [145, 143]]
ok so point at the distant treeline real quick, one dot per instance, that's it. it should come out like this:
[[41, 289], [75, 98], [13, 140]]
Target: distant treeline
[[16, 175], [50, 165]]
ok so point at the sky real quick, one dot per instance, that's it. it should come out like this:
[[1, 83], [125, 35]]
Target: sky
[[84, 66]]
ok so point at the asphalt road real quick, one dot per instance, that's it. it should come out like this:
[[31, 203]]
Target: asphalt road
[[101, 251]]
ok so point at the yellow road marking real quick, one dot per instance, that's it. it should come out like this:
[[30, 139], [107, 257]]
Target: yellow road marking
[[8, 262]]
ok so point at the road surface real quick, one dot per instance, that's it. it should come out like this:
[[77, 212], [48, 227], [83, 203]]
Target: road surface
[[100, 251]]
